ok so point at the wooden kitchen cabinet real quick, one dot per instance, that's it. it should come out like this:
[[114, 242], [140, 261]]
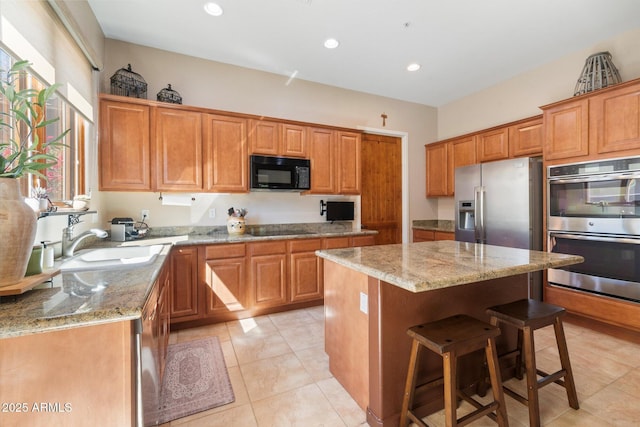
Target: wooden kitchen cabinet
[[358, 241], [270, 138], [526, 138], [226, 159], [163, 326], [437, 173], [566, 130], [323, 160], [305, 272], [124, 146], [614, 120], [177, 136], [460, 152], [268, 274], [184, 284], [225, 279], [348, 168], [493, 145], [420, 235]]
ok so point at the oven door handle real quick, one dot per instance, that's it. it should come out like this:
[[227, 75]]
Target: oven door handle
[[595, 238], [594, 178]]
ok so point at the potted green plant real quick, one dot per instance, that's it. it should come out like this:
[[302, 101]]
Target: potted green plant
[[22, 153]]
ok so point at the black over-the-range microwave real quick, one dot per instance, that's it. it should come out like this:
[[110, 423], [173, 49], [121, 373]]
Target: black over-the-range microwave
[[280, 173]]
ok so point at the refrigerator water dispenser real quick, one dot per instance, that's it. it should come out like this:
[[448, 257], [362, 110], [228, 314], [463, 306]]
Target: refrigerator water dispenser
[[466, 212]]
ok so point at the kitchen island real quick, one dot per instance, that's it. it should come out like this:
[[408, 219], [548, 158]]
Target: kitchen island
[[373, 294]]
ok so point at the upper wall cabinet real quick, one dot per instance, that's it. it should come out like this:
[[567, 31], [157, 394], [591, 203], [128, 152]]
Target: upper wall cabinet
[[436, 161], [277, 139], [525, 138], [600, 124], [177, 136], [226, 164], [124, 147], [348, 162], [493, 145], [335, 161]]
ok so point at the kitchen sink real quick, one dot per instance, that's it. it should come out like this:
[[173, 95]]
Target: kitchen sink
[[112, 258]]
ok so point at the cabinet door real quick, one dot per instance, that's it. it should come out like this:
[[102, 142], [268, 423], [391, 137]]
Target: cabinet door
[[304, 270], [460, 152], [184, 284], [566, 130], [336, 243], [164, 315], [493, 145], [443, 235], [124, 147], [323, 160], [614, 120], [226, 163], [525, 139], [358, 241], [348, 146], [264, 137], [226, 279], [436, 169], [178, 150], [268, 274], [294, 140], [423, 236]]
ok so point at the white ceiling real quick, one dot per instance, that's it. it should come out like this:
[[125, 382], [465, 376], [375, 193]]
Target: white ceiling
[[462, 45]]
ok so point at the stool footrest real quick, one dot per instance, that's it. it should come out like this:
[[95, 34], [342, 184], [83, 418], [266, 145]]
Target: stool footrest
[[415, 419], [462, 395], [551, 378], [515, 396], [479, 413]]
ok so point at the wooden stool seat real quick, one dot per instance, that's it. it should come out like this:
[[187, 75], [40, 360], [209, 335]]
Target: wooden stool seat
[[453, 337], [527, 315]]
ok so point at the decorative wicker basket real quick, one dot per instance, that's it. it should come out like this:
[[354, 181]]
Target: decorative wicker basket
[[598, 72], [169, 95], [125, 82]]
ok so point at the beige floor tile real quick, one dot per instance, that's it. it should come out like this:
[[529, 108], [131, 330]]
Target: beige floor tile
[[315, 361], [252, 326], [342, 402], [252, 348], [302, 407], [316, 312], [630, 384], [437, 419], [219, 330], [268, 377], [579, 418], [305, 336], [291, 319], [614, 406], [229, 354], [240, 416]]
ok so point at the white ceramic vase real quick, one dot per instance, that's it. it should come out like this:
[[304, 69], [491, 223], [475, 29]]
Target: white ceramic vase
[[18, 224], [235, 225]]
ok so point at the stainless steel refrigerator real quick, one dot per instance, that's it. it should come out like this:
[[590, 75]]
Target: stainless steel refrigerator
[[500, 203]]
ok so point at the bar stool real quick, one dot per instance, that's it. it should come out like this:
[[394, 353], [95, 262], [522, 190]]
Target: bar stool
[[527, 315], [453, 337]]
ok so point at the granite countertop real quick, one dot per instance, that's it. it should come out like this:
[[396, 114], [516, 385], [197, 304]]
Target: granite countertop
[[425, 266], [434, 224], [91, 297]]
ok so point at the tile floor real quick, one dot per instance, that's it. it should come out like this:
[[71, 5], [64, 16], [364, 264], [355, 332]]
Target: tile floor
[[280, 378]]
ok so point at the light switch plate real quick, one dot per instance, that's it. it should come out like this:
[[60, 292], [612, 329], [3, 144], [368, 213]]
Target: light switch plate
[[364, 303]]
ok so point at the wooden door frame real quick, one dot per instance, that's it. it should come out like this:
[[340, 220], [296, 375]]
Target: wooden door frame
[[404, 136]]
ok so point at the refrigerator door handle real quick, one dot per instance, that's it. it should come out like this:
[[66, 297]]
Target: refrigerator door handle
[[478, 199]]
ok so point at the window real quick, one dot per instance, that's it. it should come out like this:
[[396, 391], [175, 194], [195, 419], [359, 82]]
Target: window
[[67, 178]]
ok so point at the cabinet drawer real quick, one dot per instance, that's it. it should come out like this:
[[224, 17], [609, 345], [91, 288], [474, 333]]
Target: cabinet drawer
[[336, 243], [306, 245], [423, 235], [267, 248], [225, 251]]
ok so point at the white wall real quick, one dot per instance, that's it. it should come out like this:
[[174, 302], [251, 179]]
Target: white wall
[[521, 96], [220, 86]]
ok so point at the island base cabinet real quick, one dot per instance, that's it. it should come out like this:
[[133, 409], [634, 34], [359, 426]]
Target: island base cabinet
[[63, 378], [368, 347]]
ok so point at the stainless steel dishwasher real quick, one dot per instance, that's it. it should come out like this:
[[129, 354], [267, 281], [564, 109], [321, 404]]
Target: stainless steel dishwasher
[[148, 381]]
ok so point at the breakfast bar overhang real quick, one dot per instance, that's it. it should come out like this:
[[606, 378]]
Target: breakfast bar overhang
[[374, 294]]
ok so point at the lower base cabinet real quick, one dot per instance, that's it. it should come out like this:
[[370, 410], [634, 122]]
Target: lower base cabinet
[[222, 282], [431, 235]]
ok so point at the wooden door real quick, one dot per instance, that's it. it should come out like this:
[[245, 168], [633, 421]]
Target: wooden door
[[178, 150], [322, 156], [226, 164], [381, 197], [124, 147]]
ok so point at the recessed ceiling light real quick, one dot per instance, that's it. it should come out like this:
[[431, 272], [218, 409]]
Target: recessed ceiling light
[[413, 67], [331, 43], [213, 9]]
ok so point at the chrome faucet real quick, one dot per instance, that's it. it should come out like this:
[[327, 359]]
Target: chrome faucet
[[69, 243]]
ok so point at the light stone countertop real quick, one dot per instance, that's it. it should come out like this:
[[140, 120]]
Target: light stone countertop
[[434, 224], [92, 297], [425, 266]]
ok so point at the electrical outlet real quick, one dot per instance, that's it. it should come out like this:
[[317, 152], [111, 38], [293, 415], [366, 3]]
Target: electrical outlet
[[212, 213], [364, 303], [144, 213]]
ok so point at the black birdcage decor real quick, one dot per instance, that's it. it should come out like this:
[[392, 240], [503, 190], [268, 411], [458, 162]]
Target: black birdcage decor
[[598, 72], [126, 82], [169, 95]]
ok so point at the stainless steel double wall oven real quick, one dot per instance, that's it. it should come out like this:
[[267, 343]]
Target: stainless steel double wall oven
[[594, 211]]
